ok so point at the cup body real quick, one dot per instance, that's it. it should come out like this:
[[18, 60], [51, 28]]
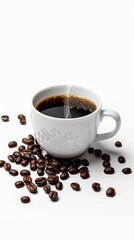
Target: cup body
[[65, 138]]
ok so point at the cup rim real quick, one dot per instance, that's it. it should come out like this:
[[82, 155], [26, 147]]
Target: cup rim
[[65, 119]]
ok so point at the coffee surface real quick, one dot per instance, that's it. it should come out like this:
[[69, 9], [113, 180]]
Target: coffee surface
[[66, 106]]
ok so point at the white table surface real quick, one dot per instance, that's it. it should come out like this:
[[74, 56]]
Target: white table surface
[[89, 43]]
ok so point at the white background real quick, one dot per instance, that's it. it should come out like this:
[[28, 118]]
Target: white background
[[89, 43]]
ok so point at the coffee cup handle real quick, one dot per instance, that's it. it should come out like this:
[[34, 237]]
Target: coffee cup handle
[[116, 117]]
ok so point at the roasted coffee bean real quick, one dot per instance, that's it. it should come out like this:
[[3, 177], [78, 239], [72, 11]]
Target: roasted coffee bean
[[64, 175], [19, 184], [127, 170], [32, 187], [41, 161], [17, 154], [24, 162], [30, 136], [63, 168], [110, 192], [73, 170], [106, 163], [23, 121], [83, 169], [56, 163], [25, 199], [26, 151], [75, 186], [21, 148], [85, 174], [40, 181], [91, 150], [27, 141], [18, 160], [7, 166], [41, 166], [105, 156], [52, 179], [11, 158], [59, 185], [13, 172], [53, 195], [76, 162], [118, 144], [21, 116], [12, 144], [47, 188], [2, 163], [33, 161], [121, 159], [25, 172], [97, 152], [109, 170], [84, 162], [96, 186], [40, 172], [33, 157], [33, 167], [27, 156], [56, 169], [5, 118], [27, 179]]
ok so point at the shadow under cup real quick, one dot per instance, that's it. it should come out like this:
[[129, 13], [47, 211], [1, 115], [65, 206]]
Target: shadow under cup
[[61, 137]]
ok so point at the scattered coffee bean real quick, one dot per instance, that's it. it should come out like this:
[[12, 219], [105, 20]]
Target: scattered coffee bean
[[21, 148], [96, 186], [105, 156], [47, 188], [84, 162], [2, 163], [21, 116], [25, 172], [75, 186], [25, 199], [18, 160], [127, 170], [73, 170], [27, 179], [32, 187], [59, 185], [12, 144], [110, 192], [11, 158], [97, 152], [121, 159], [19, 184], [109, 170], [40, 172], [118, 144], [7, 166], [22, 119], [91, 150], [53, 195], [64, 176], [53, 179], [13, 172], [5, 118], [41, 181], [106, 163], [85, 175]]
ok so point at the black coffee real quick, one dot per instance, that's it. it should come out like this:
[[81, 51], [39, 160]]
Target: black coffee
[[66, 106]]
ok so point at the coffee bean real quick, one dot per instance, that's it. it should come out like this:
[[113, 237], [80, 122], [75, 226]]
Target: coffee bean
[[7, 166], [118, 144], [59, 185], [53, 195], [53, 179], [64, 175], [25, 199], [106, 163], [27, 179], [2, 163], [85, 174], [73, 170], [17, 154], [30, 136], [76, 162], [84, 162], [127, 170], [32, 187], [27, 141], [91, 150], [5, 118], [11, 158], [121, 159], [33, 167], [96, 186], [83, 169], [41, 181], [18, 160], [24, 163], [19, 184], [21, 148], [63, 168], [109, 170], [47, 188], [12, 144], [25, 172], [23, 121], [110, 192], [21, 116], [13, 172], [105, 156], [40, 172], [75, 186], [97, 152]]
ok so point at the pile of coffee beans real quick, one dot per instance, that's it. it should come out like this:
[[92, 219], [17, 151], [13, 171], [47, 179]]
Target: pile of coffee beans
[[52, 172]]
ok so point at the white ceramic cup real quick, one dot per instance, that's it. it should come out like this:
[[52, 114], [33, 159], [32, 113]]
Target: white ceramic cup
[[69, 138]]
